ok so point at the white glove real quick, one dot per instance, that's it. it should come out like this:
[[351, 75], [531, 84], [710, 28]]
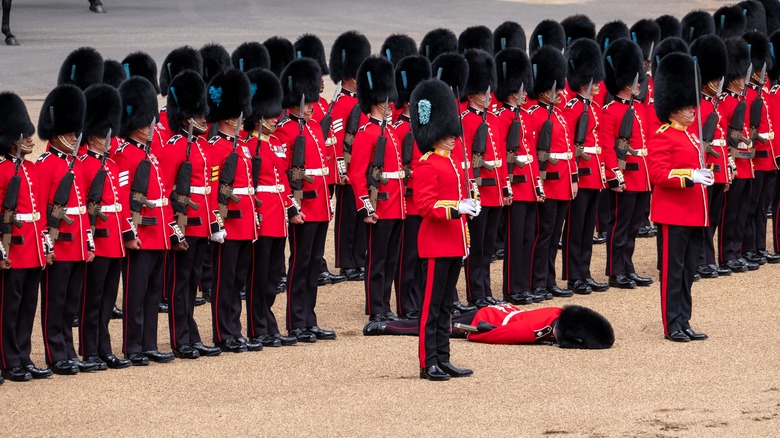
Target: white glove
[[703, 177], [469, 207], [219, 236]]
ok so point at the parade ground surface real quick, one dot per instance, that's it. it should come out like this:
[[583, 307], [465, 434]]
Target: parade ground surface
[[369, 386]]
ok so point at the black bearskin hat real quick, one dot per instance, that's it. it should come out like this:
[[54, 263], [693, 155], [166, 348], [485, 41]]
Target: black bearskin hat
[[646, 33], [674, 85], [755, 15], [409, 72], [622, 62], [375, 83], [216, 59], [266, 94], [139, 104], [113, 73], [667, 46], [513, 68], [710, 51], [141, 64], [729, 21], [310, 46], [83, 67], [180, 59], [249, 55], [228, 95], [739, 58], [14, 120], [482, 72], [62, 112], [611, 32], [397, 47], [584, 64], [301, 77], [187, 98], [772, 12], [548, 33], [434, 114], [347, 53], [508, 34], [774, 39], [548, 66], [104, 111], [281, 51], [696, 24], [437, 42], [578, 26], [670, 26], [760, 50], [476, 37], [580, 327], [453, 69]]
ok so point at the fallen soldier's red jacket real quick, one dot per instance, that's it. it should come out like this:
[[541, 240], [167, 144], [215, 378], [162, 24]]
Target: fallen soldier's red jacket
[[515, 326]]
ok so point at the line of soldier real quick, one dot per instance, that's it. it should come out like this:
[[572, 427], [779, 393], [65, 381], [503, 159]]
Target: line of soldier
[[246, 157]]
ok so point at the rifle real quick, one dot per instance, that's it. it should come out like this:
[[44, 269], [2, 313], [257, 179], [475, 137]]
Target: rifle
[[257, 163], [328, 119], [180, 196], [140, 186], [711, 124], [479, 144], [737, 124], [56, 211], [11, 201], [698, 107], [472, 191], [374, 176], [545, 137], [756, 109], [352, 127], [407, 148], [643, 88], [228, 174], [513, 137], [95, 194], [581, 130], [297, 172], [623, 141]]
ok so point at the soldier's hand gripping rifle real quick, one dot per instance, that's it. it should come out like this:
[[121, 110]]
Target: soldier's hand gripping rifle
[[623, 141], [95, 194], [407, 149], [545, 137], [374, 176], [756, 109], [711, 125], [737, 124], [228, 174], [55, 212], [297, 172], [140, 186], [10, 202], [479, 144], [351, 128], [181, 198], [257, 163], [581, 130], [513, 137], [328, 119]]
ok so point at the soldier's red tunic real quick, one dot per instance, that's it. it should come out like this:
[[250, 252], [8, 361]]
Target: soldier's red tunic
[[635, 175], [591, 171], [561, 177], [26, 242], [494, 181], [272, 189], [514, 325], [525, 173], [719, 165], [727, 107]]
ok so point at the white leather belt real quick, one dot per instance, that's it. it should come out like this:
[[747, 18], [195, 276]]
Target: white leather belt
[[200, 190], [466, 165], [495, 163], [767, 135], [75, 210], [113, 208], [244, 191], [524, 159], [638, 152], [719, 142], [317, 172], [270, 189], [561, 156], [393, 175], [330, 141], [27, 217], [162, 202], [744, 146], [593, 150], [509, 317]]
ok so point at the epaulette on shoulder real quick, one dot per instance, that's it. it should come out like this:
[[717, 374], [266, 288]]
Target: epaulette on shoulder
[[121, 146], [43, 157], [175, 138], [663, 128], [83, 157], [426, 155], [499, 111], [608, 105], [570, 104], [463, 114], [283, 122], [397, 124], [774, 88], [214, 139], [364, 127], [533, 108]]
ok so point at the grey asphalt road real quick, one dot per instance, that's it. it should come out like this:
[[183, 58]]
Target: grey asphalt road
[[50, 29]]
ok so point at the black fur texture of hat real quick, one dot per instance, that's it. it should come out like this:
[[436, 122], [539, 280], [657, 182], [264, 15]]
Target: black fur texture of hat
[[409, 72], [774, 72], [349, 50], [760, 50], [62, 112], [281, 51], [228, 95], [397, 47], [266, 94], [434, 113], [695, 24], [113, 73], [103, 112], [578, 26], [549, 67], [139, 104], [739, 58], [670, 26], [375, 83], [710, 51], [453, 69], [187, 98], [310, 46], [729, 21], [82, 67], [437, 42], [482, 71], [513, 69], [674, 85], [476, 37], [508, 34], [611, 32], [667, 46], [547, 33], [141, 64], [301, 77], [646, 33], [216, 59], [178, 60], [622, 62], [249, 55], [14, 120], [755, 15], [580, 327], [584, 64]]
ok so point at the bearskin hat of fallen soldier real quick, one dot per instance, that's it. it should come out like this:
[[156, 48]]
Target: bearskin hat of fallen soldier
[[281, 51], [139, 104], [476, 37], [622, 62], [453, 69], [729, 21], [647, 34], [584, 64], [670, 26], [434, 114], [14, 121], [180, 59], [103, 111], [82, 67], [347, 53], [375, 83], [266, 94], [739, 58], [310, 46], [228, 95], [611, 32], [667, 46], [712, 57], [409, 72], [397, 47], [756, 15], [548, 66], [113, 73], [674, 85], [186, 98], [508, 34], [578, 26], [301, 77], [513, 69], [580, 327], [216, 59], [141, 64], [249, 55], [696, 24], [760, 51], [437, 42], [62, 112], [548, 33], [482, 71]]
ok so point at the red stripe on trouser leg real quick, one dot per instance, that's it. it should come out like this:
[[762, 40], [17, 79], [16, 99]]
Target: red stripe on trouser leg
[[533, 250], [2, 309], [611, 254], [367, 279], [216, 293], [664, 273], [425, 310]]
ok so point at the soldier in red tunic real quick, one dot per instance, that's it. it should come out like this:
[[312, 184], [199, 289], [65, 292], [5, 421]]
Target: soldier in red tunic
[[679, 204], [26, 254]]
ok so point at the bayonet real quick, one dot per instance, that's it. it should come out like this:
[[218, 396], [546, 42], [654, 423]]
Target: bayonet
[[106, 148], [698, 110], [553, 95], [748, 75], [18, 154], [148, 146], [487, 104], [634, 90], [239, 122], [718, 93], [75, 153]]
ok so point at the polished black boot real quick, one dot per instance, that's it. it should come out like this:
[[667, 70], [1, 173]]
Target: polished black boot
[[10, 39], [434, 373], [97, 7]]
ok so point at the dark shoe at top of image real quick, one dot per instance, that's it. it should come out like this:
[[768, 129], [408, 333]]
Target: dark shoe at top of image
[[639, 280], [97, 7], [519, 298], [321, 333], [374, 328], [157, 356], [479, 303], [621, 281], [694, 336], [696, 277], [64, 368], [770, 258], [560, 293], [38, 373], [116, 313], [723, 271], [303, 335], [326, 278], [499, 254], [101, 365], [254, 344], [600, 238], [84, 367], [542, 292], [412, 314], [163, 307], [285, 340], [137, 359], [707, 271], [352, 274], [434, 373], [755, 257], [596, 286], [735, 265], [199, 301], [678, 336], [579, 287], [186, 352], [16, 374], [494, 302], [114, 362], [232, 345], [206, 350], [454, 371], [462, 308]]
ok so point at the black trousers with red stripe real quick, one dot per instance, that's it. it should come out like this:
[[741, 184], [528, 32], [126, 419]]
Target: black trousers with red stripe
[[715, 196], [440, 278], [678, 255], [61, 286], [776, 217], [483, 232], [307, 244], [578, 235], [203, 275], [350, 235], [19, 290], [231, 263], [409, 280], [626, 217], [182, 289], [384, 246], [551, 214], [143, 285], [267, 266], [602, 222], [734, 219], [101, 287], [520, 237], [761, 192]]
